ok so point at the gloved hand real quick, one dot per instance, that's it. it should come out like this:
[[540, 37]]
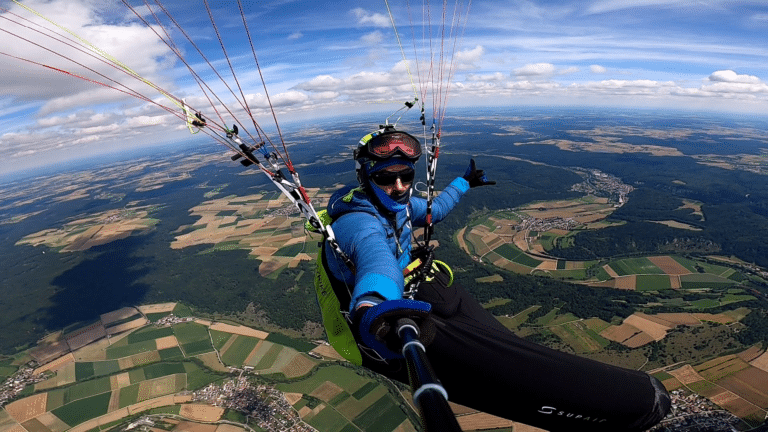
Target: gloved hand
[[476, 177], [378, 325]]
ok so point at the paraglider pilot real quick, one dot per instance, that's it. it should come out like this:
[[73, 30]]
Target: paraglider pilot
[[481, 363]]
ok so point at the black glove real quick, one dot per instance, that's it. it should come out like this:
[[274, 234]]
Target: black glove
[[476, 177]]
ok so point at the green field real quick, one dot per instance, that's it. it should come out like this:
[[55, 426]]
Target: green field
[[171, 353], [652, 283], [190, 332], [148, 333], [158, 370], [86, 389], [298, 345], [328, 420], [344, 377], [269, 358], [129, 395], [704, 280], [83, 370], [220, 338], [236, 354], [638, 266], [197, 347], [516, 255], [383, 416], [116, 352], [82, 410], [108, 367]]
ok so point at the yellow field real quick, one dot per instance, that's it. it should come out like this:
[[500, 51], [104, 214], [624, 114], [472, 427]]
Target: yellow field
[[27, 408], [200, 412]]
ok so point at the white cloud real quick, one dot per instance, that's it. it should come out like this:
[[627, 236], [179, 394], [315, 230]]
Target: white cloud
[[295, 35], [365, 18], [535, 69], [321, 83], [467, 58], [289, 98], [497, 76], [603, 6], [568, 71], [372, 38], [730, 76], [597, 69]]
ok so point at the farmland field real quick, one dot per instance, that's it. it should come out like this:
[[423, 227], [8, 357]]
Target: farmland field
[[116, 352], [190, 332], [236, 353], [81, 410], [220, 338], [652, 283]]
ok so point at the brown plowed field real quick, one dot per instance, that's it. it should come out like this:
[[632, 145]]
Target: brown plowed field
[[166, 342], [188, 426], [478, 421], [680, 318], [326, 391], [668, 265], [611, 272], [206, 413], [719, 318], [328, 351], [298, 366], [750, 383], [639, 340], [239, 330], [761, 362], [672, 384], [653, 329], [619, 333], [626, 282], [292, 398], [27, 408], [157, 308], [119, 314], [686, 375], [56, 364], [750, 354], [53, 423]]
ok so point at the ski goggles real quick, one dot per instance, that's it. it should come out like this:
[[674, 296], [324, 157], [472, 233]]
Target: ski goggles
[[389, 178], [389, 144]]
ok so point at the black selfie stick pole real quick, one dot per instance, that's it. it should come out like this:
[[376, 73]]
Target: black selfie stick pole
[[428, 394]]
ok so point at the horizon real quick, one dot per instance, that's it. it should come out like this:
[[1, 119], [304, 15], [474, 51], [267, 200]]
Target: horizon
[[344, 59], [208, 146]]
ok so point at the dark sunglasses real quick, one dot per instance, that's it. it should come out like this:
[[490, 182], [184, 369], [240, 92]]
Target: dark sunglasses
[[388, 178]]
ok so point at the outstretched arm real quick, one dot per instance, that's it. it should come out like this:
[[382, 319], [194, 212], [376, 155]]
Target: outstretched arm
[[377, 272]]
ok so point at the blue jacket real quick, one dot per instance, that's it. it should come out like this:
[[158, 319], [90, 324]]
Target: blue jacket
[[380, 248]]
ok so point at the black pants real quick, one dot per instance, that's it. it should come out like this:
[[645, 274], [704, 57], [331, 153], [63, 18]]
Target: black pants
[[485, 366]]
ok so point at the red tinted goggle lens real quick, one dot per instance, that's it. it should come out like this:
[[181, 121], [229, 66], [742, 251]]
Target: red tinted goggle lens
[[388, 178], [386, 146]]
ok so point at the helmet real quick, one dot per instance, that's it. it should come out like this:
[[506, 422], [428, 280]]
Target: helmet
[[380, 149]]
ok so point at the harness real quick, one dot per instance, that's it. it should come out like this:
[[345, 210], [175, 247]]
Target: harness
[[334, 295]]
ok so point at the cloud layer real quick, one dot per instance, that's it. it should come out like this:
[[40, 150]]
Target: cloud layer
[[344, 58]]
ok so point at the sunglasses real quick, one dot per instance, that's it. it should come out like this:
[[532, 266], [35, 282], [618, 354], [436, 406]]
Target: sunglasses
[[388, 178], [387, 145]]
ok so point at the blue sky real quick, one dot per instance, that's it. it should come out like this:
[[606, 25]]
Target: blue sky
[[323, 57]]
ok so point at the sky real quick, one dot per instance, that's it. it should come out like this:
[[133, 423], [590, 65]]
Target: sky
[[321, 58]]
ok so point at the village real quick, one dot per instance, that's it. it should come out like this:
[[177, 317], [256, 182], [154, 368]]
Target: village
[[16, 383], [694, 413], [262, 403]]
